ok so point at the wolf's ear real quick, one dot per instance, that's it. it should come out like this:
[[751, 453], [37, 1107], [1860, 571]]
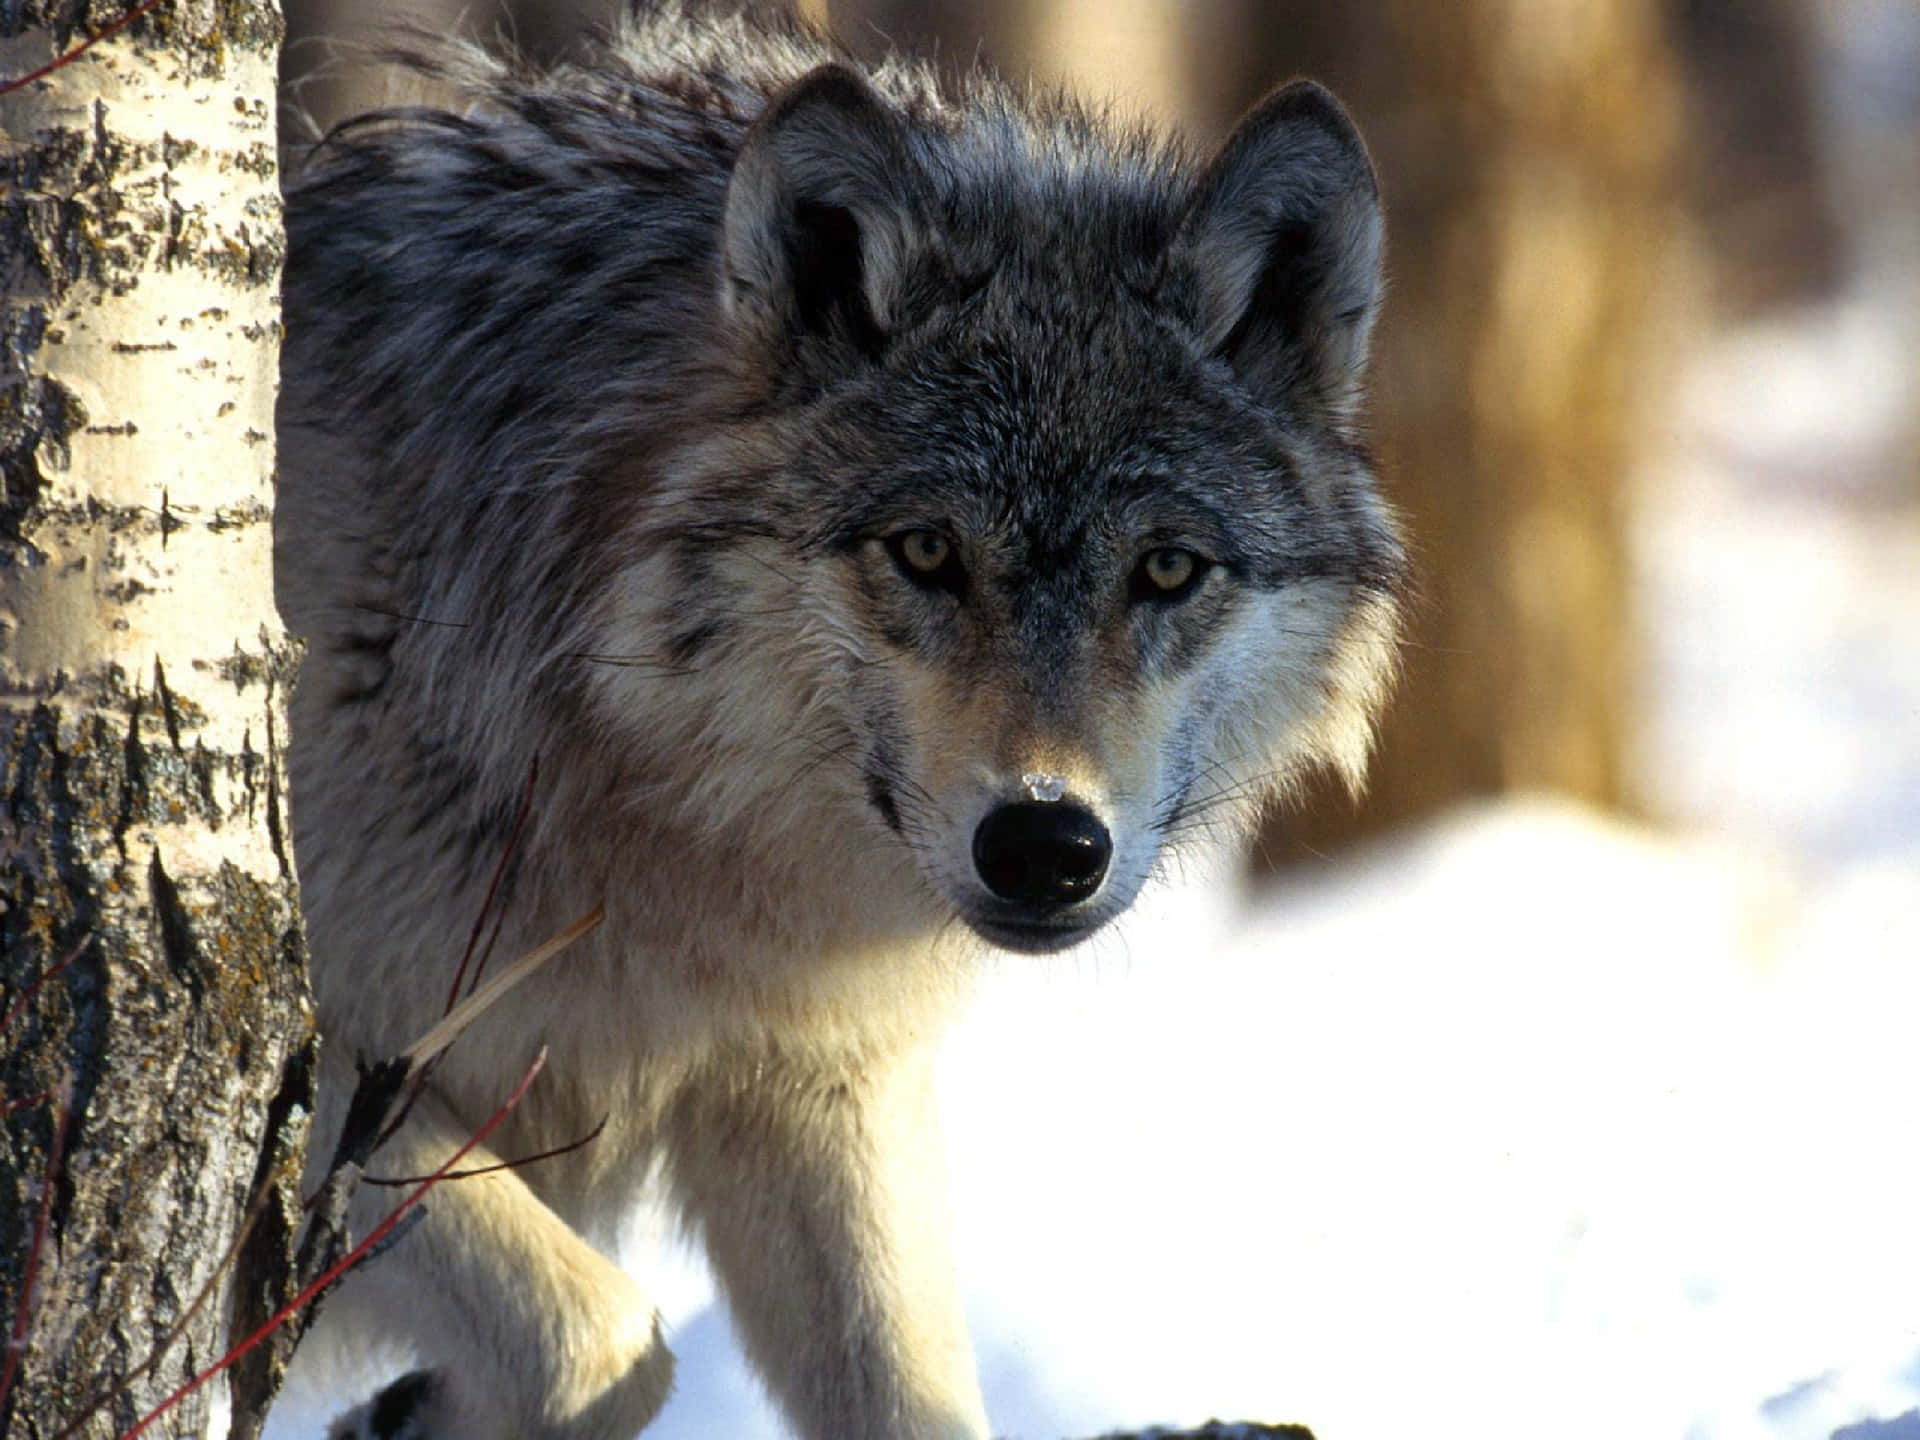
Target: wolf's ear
[[1279, 257], [828, 216]]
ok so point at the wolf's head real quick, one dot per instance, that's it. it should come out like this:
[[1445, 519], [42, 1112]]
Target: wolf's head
[[1040, 535]]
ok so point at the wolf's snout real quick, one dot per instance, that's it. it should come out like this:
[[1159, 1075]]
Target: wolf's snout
[[1041, 854]]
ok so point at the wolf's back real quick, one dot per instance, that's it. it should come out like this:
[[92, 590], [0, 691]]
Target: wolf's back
[[464, 288]]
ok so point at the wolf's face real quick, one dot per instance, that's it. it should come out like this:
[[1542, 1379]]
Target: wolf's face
[[1095, 595], [1047, 535]]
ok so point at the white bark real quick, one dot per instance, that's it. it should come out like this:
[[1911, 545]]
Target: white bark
[[142, 675]]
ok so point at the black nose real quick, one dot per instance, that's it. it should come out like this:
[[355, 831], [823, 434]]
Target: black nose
[[1041, 854]]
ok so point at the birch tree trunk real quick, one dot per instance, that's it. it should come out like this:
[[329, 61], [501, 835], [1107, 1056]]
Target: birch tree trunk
[[155, 1087]]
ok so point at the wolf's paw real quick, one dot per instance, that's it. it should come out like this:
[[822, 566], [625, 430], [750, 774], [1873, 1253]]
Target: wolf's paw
[[405, 1410], [436, 1405]]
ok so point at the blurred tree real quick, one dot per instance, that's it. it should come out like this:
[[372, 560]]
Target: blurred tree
[[1527, 154], [326, 74], [1754, 172], [1526, 148]]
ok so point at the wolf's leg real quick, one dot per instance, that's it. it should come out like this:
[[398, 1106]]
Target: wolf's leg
[[823, 1198], [526, 1332]]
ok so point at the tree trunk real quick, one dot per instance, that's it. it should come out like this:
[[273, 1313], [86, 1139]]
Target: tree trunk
[[155, 1087], [1526, 154], [1755, 170]]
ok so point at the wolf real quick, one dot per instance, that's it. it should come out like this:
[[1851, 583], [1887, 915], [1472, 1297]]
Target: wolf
[[891, 515]]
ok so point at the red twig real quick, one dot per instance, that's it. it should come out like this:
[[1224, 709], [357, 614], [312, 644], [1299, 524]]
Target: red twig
[[347, 1261], [423, 1072], [85, 45], [23, 1308], [26, 995], [25, 1102]]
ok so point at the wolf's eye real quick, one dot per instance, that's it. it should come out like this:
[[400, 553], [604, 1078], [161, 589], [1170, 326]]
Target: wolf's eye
[[927, 559], [1168, 573], [924, 551]]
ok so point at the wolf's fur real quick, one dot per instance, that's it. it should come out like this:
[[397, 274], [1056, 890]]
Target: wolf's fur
[[610, 396]]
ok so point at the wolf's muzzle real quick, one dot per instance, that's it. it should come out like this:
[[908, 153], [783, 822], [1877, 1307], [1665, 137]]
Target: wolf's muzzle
[[1041, 856]]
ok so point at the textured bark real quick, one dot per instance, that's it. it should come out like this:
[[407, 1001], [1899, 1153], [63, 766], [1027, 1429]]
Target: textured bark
[[142, 674]]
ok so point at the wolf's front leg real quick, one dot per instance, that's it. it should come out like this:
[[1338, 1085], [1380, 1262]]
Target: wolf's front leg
[[527, 1332], [822, 1193]]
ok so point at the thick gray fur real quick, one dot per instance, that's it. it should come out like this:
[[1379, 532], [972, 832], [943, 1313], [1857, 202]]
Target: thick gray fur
[[613, 395]]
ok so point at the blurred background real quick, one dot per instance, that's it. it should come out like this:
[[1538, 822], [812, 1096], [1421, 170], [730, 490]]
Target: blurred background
[[1570, 1083]]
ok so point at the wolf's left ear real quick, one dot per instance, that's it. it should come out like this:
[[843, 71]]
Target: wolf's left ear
[[828, 216], [1278, 260]]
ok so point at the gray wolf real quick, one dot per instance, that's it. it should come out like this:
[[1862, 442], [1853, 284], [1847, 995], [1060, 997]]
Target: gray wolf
[[898, 515]]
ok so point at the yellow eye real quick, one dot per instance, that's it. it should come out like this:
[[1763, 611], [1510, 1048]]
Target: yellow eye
[[927, 560], [924, 550], [1169, 569]]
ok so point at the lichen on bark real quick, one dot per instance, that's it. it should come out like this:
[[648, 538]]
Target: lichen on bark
[[143, 675]]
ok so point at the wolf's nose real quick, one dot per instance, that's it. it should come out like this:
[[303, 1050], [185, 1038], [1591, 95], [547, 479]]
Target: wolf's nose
[[1041, 854]]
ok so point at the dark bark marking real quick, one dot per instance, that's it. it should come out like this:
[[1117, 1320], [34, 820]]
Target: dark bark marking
[[38, 417], [177, 944], [276, 829], [266, 1276], [249, 771], [133, 774], [167, 708]]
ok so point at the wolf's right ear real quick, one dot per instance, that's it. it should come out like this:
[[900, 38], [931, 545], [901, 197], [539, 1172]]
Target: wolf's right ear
[[1277, 263], [829, 218]]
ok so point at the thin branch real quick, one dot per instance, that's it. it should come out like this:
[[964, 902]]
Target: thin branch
[[350, 1259], [26, 995], [566, 1149], [486, 950], [493, 886], [413, 619], [421, 1074], [85, 45], [424, 1053], [487, 996], [23, 1308], [25, 1102]]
